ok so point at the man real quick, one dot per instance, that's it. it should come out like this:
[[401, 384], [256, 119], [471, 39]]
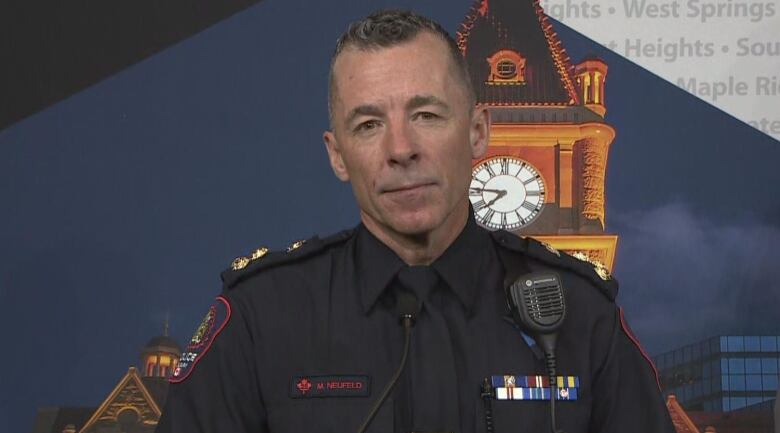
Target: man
[[306, 340]]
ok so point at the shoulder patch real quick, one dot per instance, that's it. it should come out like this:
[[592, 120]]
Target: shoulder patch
[[261, 259], [213, 323], [596, 274]]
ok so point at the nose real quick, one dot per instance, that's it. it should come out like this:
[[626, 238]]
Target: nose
[[401, 145]]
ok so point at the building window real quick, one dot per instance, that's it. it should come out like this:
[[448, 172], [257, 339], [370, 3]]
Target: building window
[[752, 344], [707, 386], [724, 345], [506, 67], [753, 365], [769, 365], [724, 365], [753, 382], [736, 344], [769, 382], [696, 349], [697, 388], [768, 344], [705, 349], [724, 382], [736, 383], [736, 366]]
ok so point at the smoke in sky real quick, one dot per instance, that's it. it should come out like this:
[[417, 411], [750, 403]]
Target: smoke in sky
[[685, 278]]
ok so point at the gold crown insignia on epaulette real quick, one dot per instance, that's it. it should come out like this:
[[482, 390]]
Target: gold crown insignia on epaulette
[[549, 248], [295, 245], [599, 267], [243, 261]]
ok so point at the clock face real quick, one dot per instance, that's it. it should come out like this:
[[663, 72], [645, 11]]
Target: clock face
[[506, 193]]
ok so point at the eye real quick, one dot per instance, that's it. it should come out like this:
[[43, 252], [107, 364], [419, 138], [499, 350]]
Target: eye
[[426, 115], [368, 125]]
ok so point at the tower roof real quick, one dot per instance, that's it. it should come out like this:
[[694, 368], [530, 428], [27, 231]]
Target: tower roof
[[520, 26], [162, 343]]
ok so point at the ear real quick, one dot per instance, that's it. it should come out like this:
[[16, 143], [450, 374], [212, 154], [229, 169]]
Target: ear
[[334, 154], [479, 131]]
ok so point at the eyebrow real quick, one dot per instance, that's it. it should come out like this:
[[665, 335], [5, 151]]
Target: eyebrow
[[363, 110], [423, 100]]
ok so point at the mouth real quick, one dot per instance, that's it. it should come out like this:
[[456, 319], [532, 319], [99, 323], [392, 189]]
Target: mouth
[[407, 188]]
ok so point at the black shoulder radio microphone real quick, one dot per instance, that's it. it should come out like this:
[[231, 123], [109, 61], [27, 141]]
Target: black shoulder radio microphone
[[538, 306]]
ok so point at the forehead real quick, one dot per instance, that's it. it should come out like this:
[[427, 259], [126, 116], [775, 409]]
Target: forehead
[[421, 65]]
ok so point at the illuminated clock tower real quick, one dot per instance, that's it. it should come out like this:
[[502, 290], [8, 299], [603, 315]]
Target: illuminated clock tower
[[544, 173]]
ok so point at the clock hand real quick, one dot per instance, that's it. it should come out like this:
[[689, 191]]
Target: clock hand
[[500, 194], [497, 191]]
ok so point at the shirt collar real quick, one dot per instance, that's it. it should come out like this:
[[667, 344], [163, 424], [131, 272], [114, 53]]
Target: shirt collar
[[376, 265], [460, 266]]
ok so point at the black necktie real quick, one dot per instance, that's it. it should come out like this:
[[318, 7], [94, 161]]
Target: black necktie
[[420, 280], [431, 394]]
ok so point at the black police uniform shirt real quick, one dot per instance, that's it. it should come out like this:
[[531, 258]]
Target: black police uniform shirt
[[306, 340]]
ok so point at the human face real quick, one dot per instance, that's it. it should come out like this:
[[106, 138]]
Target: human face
[[404, 135]]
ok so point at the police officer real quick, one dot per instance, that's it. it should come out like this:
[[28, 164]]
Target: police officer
[[305, 340]]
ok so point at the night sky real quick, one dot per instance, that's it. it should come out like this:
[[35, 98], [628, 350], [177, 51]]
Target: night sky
[[124, 202]]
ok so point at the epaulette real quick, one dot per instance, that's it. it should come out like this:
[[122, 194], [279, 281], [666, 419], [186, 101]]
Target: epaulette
[[580, 264], [261, 259]]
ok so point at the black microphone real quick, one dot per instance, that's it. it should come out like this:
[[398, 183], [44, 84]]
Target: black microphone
[[407, 308], [537, 304]]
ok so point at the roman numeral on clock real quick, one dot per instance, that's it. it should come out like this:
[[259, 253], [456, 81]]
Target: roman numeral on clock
[[503, 220], [530, 206], [531, 180], [478, 206], [490, 170], [504, 166], [489, 215]]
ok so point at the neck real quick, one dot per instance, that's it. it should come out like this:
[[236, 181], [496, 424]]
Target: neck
[[420, 248]]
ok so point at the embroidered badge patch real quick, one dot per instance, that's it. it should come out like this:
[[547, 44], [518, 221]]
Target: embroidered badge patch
[[213, 323], [329, 386]]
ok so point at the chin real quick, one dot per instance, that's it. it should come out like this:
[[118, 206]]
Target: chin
[[415, 223]]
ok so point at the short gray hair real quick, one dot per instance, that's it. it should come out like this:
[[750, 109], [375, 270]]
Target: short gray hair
[[388, 28]]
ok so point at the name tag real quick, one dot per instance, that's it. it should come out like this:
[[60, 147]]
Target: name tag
[[329, 386]]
